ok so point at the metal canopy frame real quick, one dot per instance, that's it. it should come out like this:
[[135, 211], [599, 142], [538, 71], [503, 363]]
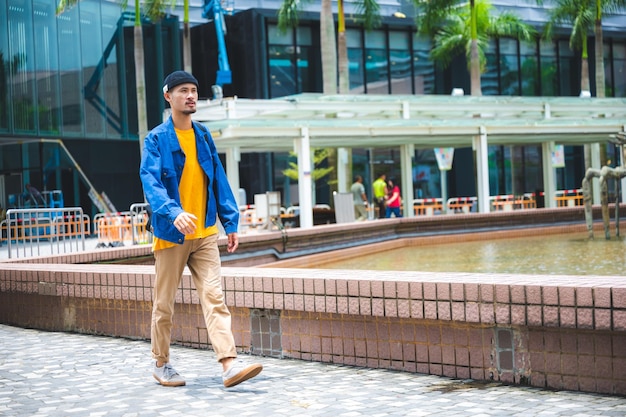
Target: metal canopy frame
[[420, 121]]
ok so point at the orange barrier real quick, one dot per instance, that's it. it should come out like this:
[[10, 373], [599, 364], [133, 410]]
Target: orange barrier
[[72, 226], [460, 204], [527, 201], [27, 231], [139, 213], [569, 198], [427, 206], [47, 228], [249, 218], [113, 229], [502, 202]]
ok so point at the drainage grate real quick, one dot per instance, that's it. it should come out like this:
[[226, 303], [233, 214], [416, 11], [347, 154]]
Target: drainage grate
[[504, 349], [265, 333]]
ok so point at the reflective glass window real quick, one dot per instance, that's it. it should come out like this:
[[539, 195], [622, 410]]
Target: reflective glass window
[[569, 70], [110, 74], [529, 69], [548, 69], [619, 71], [282, 55], [22, 62], [92, 53], [400, 63], [376, 64], [355, 61], [499, 169], [509, 68], [423, 66], [69, 62], [47, 67], [305, 77], [489, 79], [5, 60]]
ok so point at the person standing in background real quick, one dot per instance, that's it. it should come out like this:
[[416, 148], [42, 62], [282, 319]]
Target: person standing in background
[[359, 198], [380, 192], [394, 201]]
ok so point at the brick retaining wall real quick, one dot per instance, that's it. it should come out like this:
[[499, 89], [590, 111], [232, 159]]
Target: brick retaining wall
[[555, 332]]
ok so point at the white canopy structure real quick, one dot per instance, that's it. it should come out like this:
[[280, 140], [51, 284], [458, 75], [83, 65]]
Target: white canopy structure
[[308, 121]]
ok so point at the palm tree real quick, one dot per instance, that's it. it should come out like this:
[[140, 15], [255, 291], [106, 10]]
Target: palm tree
[[580, 14], [576, 14], [186, 37], [606, 6], [467, 27], [367, 11]]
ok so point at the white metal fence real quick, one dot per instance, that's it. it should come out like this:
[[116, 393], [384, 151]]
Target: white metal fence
[[35, 232]]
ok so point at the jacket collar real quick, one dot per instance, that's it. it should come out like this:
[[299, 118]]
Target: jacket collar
[[173, 139]]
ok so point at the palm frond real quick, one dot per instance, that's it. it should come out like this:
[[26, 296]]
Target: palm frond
[[508, 24], [65, 5], [431, 15], [288, 15], [613, 6], [579, 14], [449, 41], [154, 9], [368, 12]]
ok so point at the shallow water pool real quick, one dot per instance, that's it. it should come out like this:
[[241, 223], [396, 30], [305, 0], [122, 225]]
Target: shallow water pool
[[570, 254]]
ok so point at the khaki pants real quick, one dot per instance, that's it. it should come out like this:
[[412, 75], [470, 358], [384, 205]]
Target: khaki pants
[[203, 259], [360, 212]]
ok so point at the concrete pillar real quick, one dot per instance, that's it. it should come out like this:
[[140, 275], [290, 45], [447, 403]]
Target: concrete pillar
[[549, 175], [233, 157], [594, 150], [344, 179], [406, 168], [480, 147], [305, 185]]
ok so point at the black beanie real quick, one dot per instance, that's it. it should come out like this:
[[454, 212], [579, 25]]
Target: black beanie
[[178, 78]]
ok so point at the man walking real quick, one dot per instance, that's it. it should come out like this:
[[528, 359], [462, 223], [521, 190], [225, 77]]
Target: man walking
[[187, 189]]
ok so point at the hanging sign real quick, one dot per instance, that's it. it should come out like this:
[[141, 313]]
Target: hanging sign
[[444, 158], [558, 157]]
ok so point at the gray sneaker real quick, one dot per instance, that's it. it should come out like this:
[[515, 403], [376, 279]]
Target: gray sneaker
[[239, 372], [167, 376]]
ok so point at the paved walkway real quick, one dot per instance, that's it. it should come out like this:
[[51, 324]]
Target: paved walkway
[[64, 374]]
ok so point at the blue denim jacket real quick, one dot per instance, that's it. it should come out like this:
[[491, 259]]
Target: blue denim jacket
[[161, 169]]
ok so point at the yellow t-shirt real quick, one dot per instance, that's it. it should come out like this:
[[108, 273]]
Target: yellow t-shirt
[[192, 189], [379, 188]]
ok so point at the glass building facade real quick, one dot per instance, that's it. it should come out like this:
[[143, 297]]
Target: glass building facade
[[392, 59], [68, 112], [68, 107]]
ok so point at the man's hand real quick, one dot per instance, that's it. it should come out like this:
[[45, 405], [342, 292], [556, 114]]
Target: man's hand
[[185, 223], [233, 242]]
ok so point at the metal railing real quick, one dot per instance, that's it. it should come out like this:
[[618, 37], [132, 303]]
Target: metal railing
[[35, 232], [139, 215]]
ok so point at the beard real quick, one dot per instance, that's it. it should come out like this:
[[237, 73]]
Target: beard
[[189, 111]]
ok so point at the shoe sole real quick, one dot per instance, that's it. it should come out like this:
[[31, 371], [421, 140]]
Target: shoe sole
[[247, 373], [169, 383]]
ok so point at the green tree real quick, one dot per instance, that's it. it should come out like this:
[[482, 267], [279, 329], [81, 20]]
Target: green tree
[[580, 15], [583, 15], [467, 27], [334, 58], [319, 156]]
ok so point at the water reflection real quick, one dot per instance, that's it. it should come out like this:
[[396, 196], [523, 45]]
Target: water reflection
[[572, 254]]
